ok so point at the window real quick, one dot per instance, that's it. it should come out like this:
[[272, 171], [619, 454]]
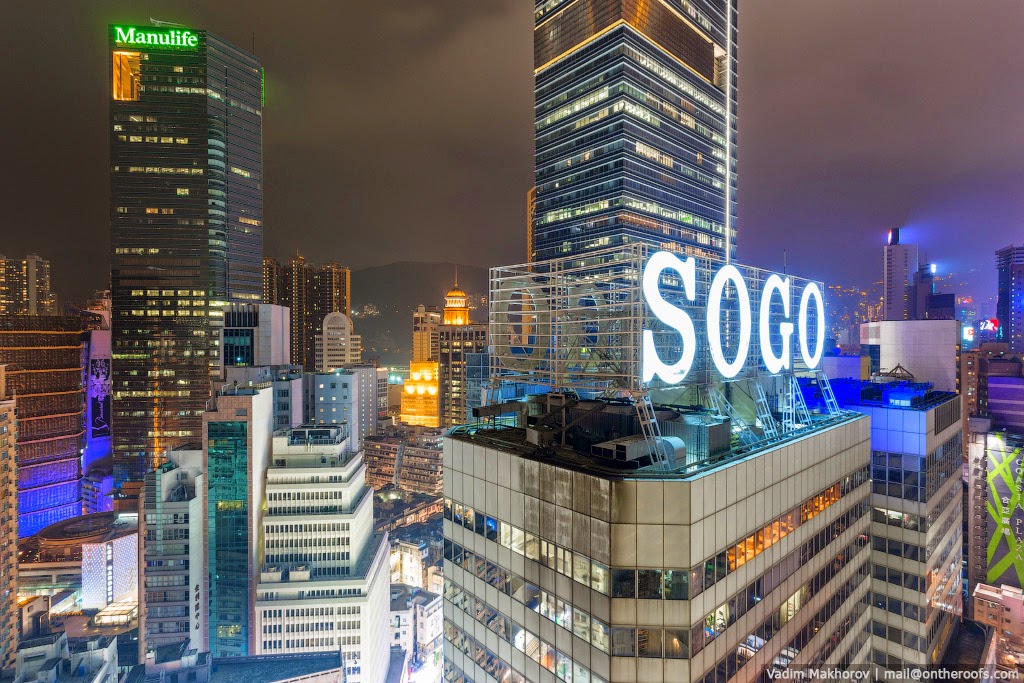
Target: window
[[127, 76]]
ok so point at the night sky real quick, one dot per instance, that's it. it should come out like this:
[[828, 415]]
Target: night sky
[[402, 130]]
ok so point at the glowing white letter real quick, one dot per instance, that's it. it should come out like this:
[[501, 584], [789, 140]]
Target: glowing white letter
[[812, 290], [726, 274], [772, 362], [676, 318]]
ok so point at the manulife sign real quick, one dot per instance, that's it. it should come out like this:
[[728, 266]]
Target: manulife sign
[[166, 38]]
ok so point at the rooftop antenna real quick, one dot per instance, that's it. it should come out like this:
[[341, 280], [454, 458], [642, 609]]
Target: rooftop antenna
[[165, 24], [456, 274], [785, 260]]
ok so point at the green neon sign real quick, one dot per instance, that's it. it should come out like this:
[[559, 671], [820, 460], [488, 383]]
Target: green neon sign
[[139, 36]]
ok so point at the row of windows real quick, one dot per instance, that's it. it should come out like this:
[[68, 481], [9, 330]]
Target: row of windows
[[596, 575], [538, 650], [586, 627], [727, 667]]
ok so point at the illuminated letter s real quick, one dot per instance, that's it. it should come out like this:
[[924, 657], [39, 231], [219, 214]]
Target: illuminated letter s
[[674, 317], [772, 362]]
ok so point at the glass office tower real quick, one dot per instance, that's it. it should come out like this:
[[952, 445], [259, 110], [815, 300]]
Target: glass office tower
[[186, 223], [635, 126]]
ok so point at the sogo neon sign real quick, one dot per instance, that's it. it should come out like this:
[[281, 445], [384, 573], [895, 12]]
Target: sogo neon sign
[[678, 319]]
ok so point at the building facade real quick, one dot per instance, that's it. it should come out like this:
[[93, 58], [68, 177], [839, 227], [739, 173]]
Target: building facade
[[25, 286], [323, 585], [337, 345], [406, 457], [186, 226], [311, 292], [236, 443], [173, 577], [45, 358], [556, 569], [9, 621], [635, 126], [928, 349], [916, 519], [899, 265], [1010, 301], [347, 397], [255, 335]]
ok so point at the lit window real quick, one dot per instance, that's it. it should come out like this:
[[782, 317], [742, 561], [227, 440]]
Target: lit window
[[127, 76], [182, 191]]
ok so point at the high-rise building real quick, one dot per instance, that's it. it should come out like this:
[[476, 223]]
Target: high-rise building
[[916, 514], [347, 397], [337, 345], [311, 292], [426, 321], [456, 338], [899, 265], [173, 573], [635, 126], [9, 621], [597, 568], [25, 286], [186, 224], [237, 442], [255, 335], [45, 359], [323, 585], [1010, 302], [420, 395]]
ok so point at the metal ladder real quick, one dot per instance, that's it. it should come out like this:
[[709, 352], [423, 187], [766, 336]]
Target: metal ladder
[[651, 431], [723, 407], [764, 412], [826, 391], [794, 409]]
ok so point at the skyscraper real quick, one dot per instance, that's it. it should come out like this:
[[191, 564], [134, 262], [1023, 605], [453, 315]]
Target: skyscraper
[[237, 441], [312, 293], [25, 286], [186, 224], [457, 337], [1010, 304], [899, 264], [337, 345], [45, 359], [635, 126]]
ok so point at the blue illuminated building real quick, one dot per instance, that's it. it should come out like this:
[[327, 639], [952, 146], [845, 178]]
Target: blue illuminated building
[[44, 357]]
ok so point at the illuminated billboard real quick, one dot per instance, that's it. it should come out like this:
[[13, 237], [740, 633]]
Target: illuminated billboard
[[1004, 553], [634, 317]]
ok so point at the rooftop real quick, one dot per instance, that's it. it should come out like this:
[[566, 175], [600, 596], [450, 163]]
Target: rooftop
[[271, 669], [604, 438]]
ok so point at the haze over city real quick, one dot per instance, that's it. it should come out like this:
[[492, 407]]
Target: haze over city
[[853, 118]]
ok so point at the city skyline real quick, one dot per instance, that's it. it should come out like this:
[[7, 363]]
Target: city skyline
[[871, 176]]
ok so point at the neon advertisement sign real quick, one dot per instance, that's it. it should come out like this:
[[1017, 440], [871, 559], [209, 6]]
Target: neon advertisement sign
[[179, 39], [776, 289]]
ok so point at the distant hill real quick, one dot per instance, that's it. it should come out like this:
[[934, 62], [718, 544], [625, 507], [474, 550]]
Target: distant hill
[[396, 290]]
